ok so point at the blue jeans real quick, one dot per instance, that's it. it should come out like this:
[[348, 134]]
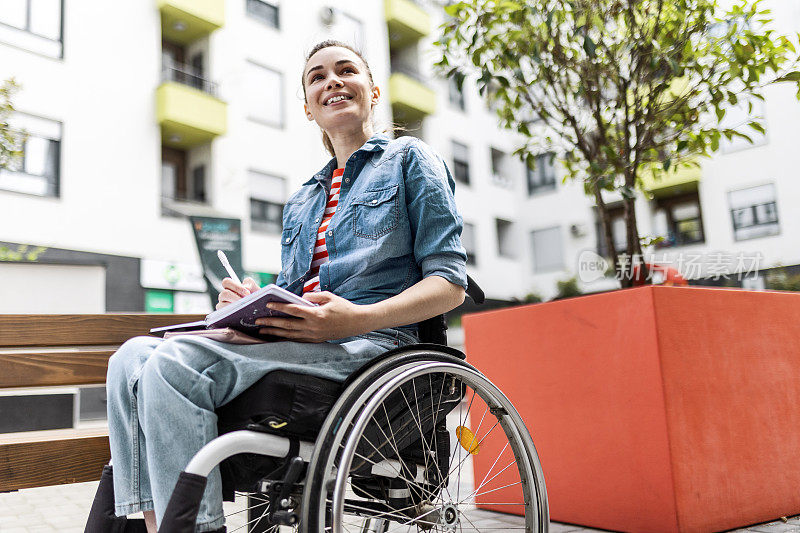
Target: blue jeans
[[162, 395]]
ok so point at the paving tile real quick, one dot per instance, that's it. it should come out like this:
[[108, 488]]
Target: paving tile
[[777, 527]]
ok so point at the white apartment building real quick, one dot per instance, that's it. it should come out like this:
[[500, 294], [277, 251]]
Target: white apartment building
[[140, 113], [734, 214]]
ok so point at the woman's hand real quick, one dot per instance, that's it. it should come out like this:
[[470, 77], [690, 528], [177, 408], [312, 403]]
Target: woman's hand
[[333, 318], [233, 291]]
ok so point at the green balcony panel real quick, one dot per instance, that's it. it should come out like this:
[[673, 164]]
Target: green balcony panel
[[188, 117], [184, 21], [410, 99], [407, 22], [674, 181]]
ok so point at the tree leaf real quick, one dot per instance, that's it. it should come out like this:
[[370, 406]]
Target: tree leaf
[[758, 127], [589, 46], [791, 76]]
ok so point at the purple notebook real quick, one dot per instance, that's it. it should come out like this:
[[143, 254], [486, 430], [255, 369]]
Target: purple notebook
[[242, 314]]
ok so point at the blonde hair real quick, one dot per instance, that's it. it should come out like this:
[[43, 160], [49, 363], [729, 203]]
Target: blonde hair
[[326, 141]]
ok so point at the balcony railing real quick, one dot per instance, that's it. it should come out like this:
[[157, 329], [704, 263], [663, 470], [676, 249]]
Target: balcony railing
[[187, 75]]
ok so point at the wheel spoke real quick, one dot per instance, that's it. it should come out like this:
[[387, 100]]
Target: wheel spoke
[[499, 488], [435, 432], [399, 473], [483, 482], [425, 446], [474, 492], [377, 514], [458, 485]]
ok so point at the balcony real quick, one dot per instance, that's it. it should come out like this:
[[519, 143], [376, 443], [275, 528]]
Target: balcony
[[184, 21], [187, 108], [675, 181], [407, 22], [411, 100]]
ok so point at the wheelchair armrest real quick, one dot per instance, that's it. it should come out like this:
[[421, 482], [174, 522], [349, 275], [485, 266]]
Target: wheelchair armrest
[[474, 291]]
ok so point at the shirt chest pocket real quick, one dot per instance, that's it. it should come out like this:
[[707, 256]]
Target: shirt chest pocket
[[376, 213], [289, 251]]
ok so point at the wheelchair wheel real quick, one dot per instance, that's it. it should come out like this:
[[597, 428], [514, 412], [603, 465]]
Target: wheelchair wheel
[[398, 450]]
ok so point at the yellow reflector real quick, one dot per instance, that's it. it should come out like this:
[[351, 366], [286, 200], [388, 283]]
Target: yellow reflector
[[467, 440]]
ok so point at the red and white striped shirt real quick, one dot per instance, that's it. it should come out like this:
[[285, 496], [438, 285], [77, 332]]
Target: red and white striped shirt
[[320, 256]]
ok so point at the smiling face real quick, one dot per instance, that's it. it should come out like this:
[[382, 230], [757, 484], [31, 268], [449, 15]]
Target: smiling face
[[339, 90]]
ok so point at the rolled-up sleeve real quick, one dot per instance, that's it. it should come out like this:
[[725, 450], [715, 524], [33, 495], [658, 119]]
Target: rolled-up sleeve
[[435, 223]]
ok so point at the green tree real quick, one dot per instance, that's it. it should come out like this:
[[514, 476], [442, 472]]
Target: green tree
[[10, 140], [618, 88]]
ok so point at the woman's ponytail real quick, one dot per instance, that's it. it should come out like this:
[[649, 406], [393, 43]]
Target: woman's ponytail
[[326, 141]]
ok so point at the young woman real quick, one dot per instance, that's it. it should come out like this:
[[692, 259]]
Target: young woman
[[373, 239]]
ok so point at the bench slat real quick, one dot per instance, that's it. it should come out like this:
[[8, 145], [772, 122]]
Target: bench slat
[[55, 462], [67, 330], [31, 369]]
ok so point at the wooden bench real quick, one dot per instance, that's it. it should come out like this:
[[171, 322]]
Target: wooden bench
[[54, 351]]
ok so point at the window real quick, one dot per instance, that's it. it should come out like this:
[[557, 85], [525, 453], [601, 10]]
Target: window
[[500, 174], [266, 12], [679, 221], [267, 196], [456, 93], [264, 97], [38, 170], [506, 240], [198, 185], [34, 25], [543, 177], [178, 183], [461, 162], [548, 254], [468, 241], [754, 212]]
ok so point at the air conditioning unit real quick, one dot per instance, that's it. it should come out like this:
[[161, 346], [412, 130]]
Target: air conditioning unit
[[578, 230], [327, 15]]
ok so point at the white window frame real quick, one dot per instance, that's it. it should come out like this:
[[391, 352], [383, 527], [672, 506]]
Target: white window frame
[[263, 21], [549, 267], [19, 181], [737, 201], [281, 121], [25, 36], [266, 195]]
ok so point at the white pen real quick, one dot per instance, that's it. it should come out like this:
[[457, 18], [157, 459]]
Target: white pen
[[224, 260]]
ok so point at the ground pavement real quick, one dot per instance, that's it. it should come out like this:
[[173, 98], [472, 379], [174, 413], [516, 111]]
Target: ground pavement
[[64, 508]]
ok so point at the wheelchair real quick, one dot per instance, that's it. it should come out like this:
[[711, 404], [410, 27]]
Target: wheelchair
[[390, 449]]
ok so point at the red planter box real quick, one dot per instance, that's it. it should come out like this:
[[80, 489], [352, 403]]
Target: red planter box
[[658, 408]]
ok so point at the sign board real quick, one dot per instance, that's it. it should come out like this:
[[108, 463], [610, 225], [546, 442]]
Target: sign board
[[156, 301], [212, 234]]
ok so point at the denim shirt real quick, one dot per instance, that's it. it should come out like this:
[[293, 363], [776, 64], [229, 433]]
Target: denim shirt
[[395, 223]]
